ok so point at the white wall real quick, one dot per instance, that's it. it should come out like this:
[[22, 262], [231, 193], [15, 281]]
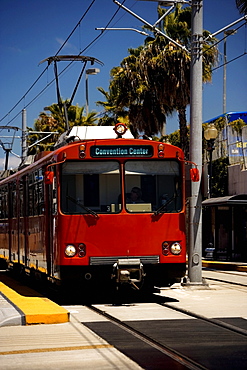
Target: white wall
[[237, 180]]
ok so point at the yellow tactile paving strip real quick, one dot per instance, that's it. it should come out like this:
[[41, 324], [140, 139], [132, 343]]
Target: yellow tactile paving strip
[[57, 349], [226, 266], [36, 310]]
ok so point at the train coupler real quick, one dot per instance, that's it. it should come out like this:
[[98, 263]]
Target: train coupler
[[128, 271]]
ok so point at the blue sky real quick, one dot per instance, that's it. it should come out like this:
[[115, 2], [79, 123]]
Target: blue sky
[[32, 30]]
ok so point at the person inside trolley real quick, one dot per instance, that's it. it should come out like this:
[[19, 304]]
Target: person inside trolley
[[135, 196]]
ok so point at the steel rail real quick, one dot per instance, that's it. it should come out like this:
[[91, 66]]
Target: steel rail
[[206, 319], [175, 355]]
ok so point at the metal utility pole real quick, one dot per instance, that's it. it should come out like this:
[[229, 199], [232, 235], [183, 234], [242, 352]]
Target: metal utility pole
[[90, 71], [195, 205], [8, 144], [24, 135]]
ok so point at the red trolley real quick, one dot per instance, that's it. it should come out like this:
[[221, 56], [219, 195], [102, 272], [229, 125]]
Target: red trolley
[[97, 212]]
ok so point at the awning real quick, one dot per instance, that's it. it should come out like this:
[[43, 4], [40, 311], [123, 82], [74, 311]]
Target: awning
[[230, 200]]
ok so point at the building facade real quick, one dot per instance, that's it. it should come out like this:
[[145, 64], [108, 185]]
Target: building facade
[[225, 217]]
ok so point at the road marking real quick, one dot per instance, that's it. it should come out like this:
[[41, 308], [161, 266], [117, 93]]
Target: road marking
[[56, 349]]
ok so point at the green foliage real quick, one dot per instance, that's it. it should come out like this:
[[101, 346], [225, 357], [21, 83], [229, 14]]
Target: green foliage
[[220, 123], [237, 125], [173, 138], [112, 112], [154, 79], [55, 122], [219, 166]]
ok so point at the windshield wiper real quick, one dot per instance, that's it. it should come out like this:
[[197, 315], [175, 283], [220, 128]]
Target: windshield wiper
[[161, 208], [79, 203]]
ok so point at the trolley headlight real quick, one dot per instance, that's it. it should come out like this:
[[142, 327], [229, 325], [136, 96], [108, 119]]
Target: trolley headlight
[[175, 248], [70, 250]]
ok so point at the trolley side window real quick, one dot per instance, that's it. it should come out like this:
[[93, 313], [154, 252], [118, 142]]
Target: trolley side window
[[13, 199], [90, 186], [153, 185], [4, 205], [35, 193]]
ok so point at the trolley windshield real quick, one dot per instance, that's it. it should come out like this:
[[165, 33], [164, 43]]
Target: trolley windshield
[[96, 187], [153, 186]]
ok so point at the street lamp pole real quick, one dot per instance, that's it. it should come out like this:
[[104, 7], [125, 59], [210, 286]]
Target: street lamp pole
[[210, 135], [90, 71], [226, 33]]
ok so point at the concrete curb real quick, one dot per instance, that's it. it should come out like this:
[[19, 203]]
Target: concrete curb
[[33, 310], [225, 266], [9, 315]]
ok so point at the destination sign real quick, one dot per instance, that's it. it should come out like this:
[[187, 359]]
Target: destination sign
[[100, 151]]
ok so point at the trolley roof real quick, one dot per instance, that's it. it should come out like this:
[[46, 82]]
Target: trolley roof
[[89, 133]]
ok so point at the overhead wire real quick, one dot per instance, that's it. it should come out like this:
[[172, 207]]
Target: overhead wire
[[39, 77], [233, 59], [52, 81], [87, 47], [230, 61], [219, 41]]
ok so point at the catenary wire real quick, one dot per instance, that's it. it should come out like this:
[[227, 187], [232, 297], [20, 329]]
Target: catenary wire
[[217, 42], [42, 91], [92, 42], [230, 61]]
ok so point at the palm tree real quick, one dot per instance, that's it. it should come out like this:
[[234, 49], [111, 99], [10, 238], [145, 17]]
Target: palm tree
[[54, 122], [242, 6], [154, 79], [44, 123], [75, 116], [169, 66], [112, 113], [129, 90]]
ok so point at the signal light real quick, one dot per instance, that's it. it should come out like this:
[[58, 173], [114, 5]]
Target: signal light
[[161, 148], [82, 250], [120, 129], [82, 149], [165, 248], [161, 154], [174, 248]]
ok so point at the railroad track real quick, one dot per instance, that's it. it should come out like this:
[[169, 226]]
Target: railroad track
[[175, 356], [178, 353], [215, 322]]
